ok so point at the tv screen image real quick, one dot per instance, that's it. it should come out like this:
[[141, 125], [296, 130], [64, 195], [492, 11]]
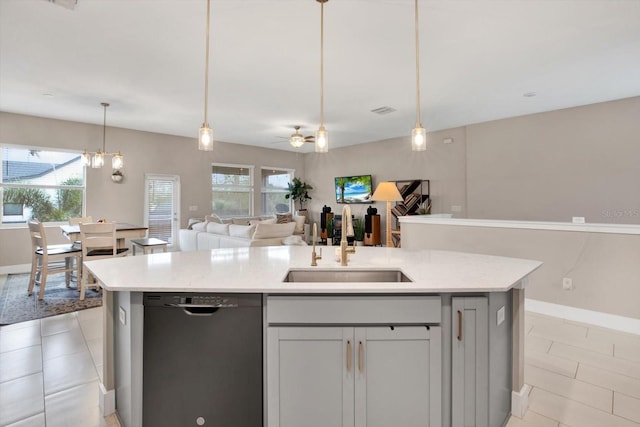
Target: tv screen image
[[354, 189]]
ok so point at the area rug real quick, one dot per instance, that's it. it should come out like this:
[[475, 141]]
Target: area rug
[[16, 306]]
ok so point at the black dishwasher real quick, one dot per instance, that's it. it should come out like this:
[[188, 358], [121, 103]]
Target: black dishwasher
[[202, 360]]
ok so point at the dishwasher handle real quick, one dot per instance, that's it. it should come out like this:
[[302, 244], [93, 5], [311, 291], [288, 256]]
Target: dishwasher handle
[[199, 310]]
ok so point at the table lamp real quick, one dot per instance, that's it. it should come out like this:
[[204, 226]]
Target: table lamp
[[387, 192]]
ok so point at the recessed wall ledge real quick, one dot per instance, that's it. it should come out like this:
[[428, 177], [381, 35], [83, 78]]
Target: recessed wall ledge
[[527, 225]]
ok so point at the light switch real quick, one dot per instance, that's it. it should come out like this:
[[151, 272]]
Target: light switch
[[193, 208], [500, 316]]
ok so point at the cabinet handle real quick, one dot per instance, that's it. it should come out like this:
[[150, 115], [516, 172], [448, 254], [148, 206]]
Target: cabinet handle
[[459, 325], [360, 357], [348, 356]]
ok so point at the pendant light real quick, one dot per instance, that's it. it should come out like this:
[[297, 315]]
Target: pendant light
[[322, 136], [418, 134], [205, 136], [96, 160]]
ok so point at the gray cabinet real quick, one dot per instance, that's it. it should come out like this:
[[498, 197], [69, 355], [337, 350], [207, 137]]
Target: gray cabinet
[[470, 362], [353, 376]]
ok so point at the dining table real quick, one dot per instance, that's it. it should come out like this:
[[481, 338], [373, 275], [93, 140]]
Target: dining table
[[123, 231]]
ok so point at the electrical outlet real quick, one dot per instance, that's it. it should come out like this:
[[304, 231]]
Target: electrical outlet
[[578, 220], [456, 208], [500, 316], [193, 208], [123, 316], [567, 284]]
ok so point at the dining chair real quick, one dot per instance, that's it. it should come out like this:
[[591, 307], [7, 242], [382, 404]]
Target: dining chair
[[98, 241], [50, 259], [80, 220]]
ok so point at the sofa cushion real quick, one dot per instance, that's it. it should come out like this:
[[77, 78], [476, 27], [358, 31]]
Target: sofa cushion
[[294, 241], [215, 228], [245, 231], [267, 231]]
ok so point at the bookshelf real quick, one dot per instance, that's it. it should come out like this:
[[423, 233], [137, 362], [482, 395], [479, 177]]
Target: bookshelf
[[415, 193]]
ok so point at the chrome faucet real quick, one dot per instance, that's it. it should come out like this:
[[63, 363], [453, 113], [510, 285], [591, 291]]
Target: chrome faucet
[[347, 230], [314, 256]]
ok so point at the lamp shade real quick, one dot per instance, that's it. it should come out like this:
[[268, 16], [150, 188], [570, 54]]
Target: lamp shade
[[387, 192]]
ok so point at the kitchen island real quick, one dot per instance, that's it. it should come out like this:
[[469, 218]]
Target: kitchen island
[[443, 290]]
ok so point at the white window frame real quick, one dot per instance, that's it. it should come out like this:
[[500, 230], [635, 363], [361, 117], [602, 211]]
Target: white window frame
[[4, 185], [264, 190], [251, 169]]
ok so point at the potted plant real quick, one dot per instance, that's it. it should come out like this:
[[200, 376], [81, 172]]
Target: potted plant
[[298, 191]]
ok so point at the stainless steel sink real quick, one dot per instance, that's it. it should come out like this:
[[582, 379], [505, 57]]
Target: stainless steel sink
[[346, 276]]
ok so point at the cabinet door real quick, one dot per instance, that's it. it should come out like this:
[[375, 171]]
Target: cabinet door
[[397, 376], [309, 379], [470, 362]]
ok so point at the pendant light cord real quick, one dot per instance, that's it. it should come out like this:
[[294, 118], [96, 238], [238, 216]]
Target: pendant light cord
[[206, 68], [104, 127], [321, 63], [418, 124]]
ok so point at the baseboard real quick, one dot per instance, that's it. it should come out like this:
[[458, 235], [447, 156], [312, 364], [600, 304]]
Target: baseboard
[[596, 318], [520, 401], [15, 269], [107, 401]]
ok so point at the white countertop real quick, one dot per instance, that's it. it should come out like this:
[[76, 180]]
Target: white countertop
[[262, 270], [528, 225]]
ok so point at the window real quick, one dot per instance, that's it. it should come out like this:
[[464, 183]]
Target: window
[[43, 184], [274, 187], [232, 190]]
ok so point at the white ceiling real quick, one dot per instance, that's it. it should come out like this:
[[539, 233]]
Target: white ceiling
[[478, 58]]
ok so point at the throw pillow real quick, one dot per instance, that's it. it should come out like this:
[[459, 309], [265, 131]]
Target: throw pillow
[[199, 226], [245, 231], [269, 231], [216, 228], [283, 218], [264, 221], [213, 218]]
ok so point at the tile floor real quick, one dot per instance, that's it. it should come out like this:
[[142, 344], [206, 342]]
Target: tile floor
[[581, 376]]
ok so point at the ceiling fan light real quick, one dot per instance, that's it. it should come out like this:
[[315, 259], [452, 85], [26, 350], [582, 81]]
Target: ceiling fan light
[[418, 139], [205, 138], [296, 140], [322, 140]]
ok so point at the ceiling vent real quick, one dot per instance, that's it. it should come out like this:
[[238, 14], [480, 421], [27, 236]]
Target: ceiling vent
[[383, 110]]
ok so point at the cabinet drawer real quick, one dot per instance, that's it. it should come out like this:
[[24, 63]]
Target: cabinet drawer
[[341, 310]]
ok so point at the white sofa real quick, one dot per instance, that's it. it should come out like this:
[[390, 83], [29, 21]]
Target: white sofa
[[238, 232]]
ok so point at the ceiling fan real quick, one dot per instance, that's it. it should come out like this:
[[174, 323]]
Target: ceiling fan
[[297, 140]]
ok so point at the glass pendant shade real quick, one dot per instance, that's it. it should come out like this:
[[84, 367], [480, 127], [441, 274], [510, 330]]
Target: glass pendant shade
[[205, 138], [86, 159], [117, 161], [98, 160], [418, 139], [322, 140]]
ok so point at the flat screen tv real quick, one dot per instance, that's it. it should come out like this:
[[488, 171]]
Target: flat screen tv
[[353, 189]]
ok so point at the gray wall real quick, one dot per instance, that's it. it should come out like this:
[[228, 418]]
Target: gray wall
[[553, 166], [143, 152], [389, 160]]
